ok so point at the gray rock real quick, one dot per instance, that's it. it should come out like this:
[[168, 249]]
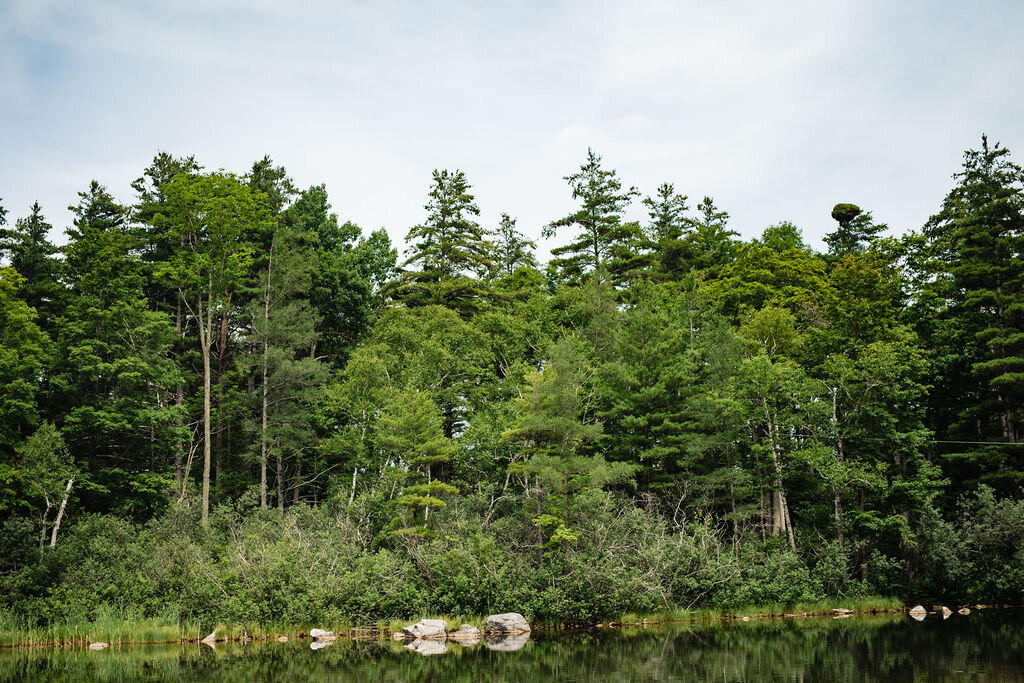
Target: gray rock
[[964, 611], [510, 622], [918, 613], [946, 612], [509, 642], [436, 629], [322, 636], [466, 632], [98, 646]]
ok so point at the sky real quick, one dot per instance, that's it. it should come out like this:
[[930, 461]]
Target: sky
[[777, 110]]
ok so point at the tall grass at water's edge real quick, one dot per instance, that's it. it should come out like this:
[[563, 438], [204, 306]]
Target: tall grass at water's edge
[[124, 627]]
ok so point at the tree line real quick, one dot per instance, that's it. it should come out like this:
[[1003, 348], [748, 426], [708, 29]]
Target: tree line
[[228, 342]]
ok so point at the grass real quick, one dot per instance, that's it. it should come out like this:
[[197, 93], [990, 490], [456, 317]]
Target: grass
[[866, 605], [125, 626], [108, 625]]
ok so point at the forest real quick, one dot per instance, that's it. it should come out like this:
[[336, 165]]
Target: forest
[[224, 401]]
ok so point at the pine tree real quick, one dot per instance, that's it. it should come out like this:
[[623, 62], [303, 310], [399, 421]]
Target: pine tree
[[856, 230], [448, 251], [23, 355], [28, 250], [409, 428], [711, 242], [667, 212], [349, 276], [643, 391], [602, 238], [156, 248], [556, 421], [114, 376], [284, 331], [511, 248], [667, 229], [976, 241]]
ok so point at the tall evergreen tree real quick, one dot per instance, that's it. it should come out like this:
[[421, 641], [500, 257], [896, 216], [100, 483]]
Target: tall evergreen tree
[[409, 429], [350, 274], [29, 251], [667, 228], [712, 242], [511, 248], [156, 248], [601, 235], [977, 239], [284, 329], [643, 392], [448, 251], [856, 230], [667, 212], [23, 355], [114, 376]]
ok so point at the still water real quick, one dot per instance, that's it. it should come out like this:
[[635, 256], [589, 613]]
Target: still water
[[982, 646]]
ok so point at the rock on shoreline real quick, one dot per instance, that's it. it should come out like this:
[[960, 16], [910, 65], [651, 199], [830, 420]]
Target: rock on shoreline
[[465, 632], [437, 629], [427, 629], [510, 622]]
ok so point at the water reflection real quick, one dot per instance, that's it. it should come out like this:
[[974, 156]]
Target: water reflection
[[984, 646], [427, 647], [507, 643]]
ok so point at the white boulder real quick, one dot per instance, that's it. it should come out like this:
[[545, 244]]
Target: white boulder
[[432, 629], [510, 622]]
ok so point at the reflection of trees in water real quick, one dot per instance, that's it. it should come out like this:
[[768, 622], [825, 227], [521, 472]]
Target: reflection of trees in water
[[987, 646]]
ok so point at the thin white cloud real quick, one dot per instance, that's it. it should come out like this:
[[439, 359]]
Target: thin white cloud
[[778, 110]]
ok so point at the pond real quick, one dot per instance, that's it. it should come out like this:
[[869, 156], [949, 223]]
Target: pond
[[982, 646]]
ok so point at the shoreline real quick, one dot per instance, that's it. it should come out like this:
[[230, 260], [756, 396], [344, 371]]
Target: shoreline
[[388, 630]]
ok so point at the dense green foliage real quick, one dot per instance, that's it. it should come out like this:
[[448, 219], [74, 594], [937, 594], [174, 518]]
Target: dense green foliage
[[225, 402]]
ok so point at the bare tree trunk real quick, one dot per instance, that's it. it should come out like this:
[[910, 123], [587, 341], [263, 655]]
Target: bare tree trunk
[[863, 549], [222, 352], [280, 480], [426, 509], [266, 389], [565, 498], [205, 330], [837, 500], [540, 532], [60, 512], [263, 433], [735, 522], [179, 401], [780, 519], [789, 524], [838, 512], [42, 534], [764, 513]]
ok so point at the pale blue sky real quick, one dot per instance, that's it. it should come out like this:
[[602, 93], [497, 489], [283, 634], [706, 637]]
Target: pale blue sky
[[776, 109]]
